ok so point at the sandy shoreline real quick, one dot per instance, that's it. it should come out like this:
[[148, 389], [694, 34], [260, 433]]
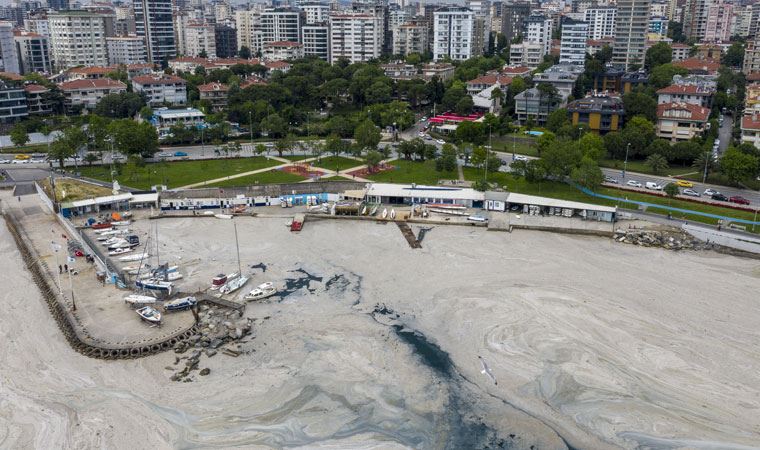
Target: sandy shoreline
[[587, 342]]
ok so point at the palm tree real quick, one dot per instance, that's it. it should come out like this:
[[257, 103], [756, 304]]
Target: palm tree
[[657, 163]]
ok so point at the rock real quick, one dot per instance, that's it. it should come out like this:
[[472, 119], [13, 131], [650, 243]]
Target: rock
[[169, 368], [215, 343], [210, 352], [204, 372]]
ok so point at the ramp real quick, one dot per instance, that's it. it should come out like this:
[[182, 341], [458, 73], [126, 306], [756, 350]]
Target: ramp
[[406, 230]]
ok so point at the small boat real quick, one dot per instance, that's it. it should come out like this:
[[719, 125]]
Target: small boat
[[220, 280], [239, 209], [451, 212], [364, 210], [446, 206], [223, 216], [101, 225], [120, 223], [119, 251], [137, 299], [180, 303], [261, 292], [208, 213], [385, 213], [155, 285], [479, 219], [134, 257], [149, 314], [132, 270], [158, 275], [233, 285], [393, 214], [374, 211]]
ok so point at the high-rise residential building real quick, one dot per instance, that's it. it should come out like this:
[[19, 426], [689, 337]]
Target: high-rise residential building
[[453, 28], [720, 16], [695, 18], [379, 9], [153, 21], [315, 12], [199, 39], [659, 8], [743, 20], [58, 5], [496, 11], [513, 17], [222, 12], [126, 50], [33, 52], [316, 40], [538, 29], [226, 41], [630, 32], [8, 54], [752, 56], [355, 37], [281, 24], [248, 32], [601, 22], [410, 37], [37, 24], [78, 38], [573, 43]]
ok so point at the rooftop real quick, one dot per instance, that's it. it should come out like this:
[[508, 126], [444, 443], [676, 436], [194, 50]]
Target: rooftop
[[696, 113], [100, 83], [751, 122], [597, 103], [707, 66], [211, 87], [686, 89], [166, 113], [158, 79]]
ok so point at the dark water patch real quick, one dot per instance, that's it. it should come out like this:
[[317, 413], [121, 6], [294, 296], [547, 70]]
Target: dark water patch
[[303, 282], [261, 266], [423, 231], [338, 282]]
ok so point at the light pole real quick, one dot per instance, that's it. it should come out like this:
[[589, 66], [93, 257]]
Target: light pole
[[625, 163], [55, 247], [203, 146], [250, 128], [704, 175]]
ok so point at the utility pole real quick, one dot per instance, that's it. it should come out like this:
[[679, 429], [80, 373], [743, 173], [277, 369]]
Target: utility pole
[[625, 163], [704, 175], [250, 128]]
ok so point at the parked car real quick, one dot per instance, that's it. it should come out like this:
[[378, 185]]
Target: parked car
[[164, 155], [739, 199], [22, 157], [634, 183], [521, 158], [428, 138], [609, 179], [654, 186], [691, 193], [424, 118], [710, 192], [720, 197], [180, 154], [440, 141], [684, 183]]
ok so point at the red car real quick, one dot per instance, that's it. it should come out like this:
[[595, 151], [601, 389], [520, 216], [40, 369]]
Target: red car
[[739, 199]]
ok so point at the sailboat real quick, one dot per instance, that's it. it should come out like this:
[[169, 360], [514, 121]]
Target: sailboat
[[137, 299], [385, 213], [393, 214], [233, 284]]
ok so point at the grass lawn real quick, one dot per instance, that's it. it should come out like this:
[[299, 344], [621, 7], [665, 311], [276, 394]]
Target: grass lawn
[[68, 190], [297, 157], [520, 146], [413, 172], [178, 173], [269, 177], [39, 148], [336, 163], [641, 167]]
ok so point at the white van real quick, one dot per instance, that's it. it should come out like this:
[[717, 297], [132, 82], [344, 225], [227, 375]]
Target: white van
[[653, 185]]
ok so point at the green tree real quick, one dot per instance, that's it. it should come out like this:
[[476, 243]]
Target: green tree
[[260, 149], [367, 135], [464, 105], [119, 106], [244, 52], [738, 166], [560, 159], [659, 147], [657, 55], [146, 112], [734, 56], [335, 145], [90, 158], [447, 161], [671, 189], [704, 163], [662, 76], [372, 159], [274, 125], [587, 173], [638, 132], [640, 104], [472, 132], [19, 136], [592, 146], [657, 163], [557, 119], [131, 138], [67, 144]]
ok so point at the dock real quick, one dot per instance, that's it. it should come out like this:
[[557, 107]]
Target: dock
[[203, 297], [406, 230]]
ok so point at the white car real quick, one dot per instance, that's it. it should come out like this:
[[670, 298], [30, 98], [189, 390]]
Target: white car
[[440, 141], [634, 183], [521, 158], [609, 179], [710, 192], [691, 192], [164, 155]]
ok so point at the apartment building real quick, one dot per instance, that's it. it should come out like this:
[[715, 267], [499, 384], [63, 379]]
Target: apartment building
[[355, 37], [538, 29], [573, 43], [410, 37], [126, 50], [248, 32], [316, 40], [153, 22], [453, 29], [601, 113], [281, 24], [78, 38], [33, 52], [283, 50], [630, 32], [681, 121], [693, 94], [214, 93], [13, 106], [87, 93], [529, 54], [161, 89], [199, 39], [601, 22], [8, 53], [36, 100]]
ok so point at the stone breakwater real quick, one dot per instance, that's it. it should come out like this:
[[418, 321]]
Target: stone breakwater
[[75, 335], [669, 240]]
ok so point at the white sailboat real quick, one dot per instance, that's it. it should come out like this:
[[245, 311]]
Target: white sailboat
[[385, 213], [261, 292], [137, 299], [239, 280], [393, 214], [135, 257]]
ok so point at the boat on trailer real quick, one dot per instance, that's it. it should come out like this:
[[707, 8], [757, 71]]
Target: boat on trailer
[[115, 251], [149, 314], [450, 212], [221, 279], [180, 304], [446, 206]]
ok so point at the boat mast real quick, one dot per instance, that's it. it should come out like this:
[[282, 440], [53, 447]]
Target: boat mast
[[237, 247]]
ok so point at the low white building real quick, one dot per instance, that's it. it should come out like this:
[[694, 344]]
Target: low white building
[[283, 50], [751, 130], [161, 89], [87, 93], [164, 118], [529, 54]]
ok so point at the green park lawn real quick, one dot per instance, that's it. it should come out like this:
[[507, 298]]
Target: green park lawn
[[336, 163], [178, 173], [295, 158], [413, 172], [269, 177], [641, 167]]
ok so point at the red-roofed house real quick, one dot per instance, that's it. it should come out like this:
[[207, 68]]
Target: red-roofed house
[[516, 71], [488, 80], [161, 89], [90, 73], [252, 81], [282, 66], [751, 130], [215, 93], [36, 99], [694, 94], [681, 121], [87, 93], [282, 50], [699, 66], [189, 64]]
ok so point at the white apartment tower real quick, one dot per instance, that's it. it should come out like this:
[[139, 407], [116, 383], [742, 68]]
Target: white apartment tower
[[355, 37], [573, 44], [630, 33], [315, 12], [601, 22], [281, 24], [453, 33], [153, 21], [538, 29], [199, 39], [720, 16], [695, 18], [78, 39], [248, 32], [126, 50], [410, 38]]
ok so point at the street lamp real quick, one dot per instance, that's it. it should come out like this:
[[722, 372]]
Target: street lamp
[[250, 128], [625, 163]]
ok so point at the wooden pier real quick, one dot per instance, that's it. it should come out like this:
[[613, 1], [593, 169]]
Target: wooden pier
[[406, 230]]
